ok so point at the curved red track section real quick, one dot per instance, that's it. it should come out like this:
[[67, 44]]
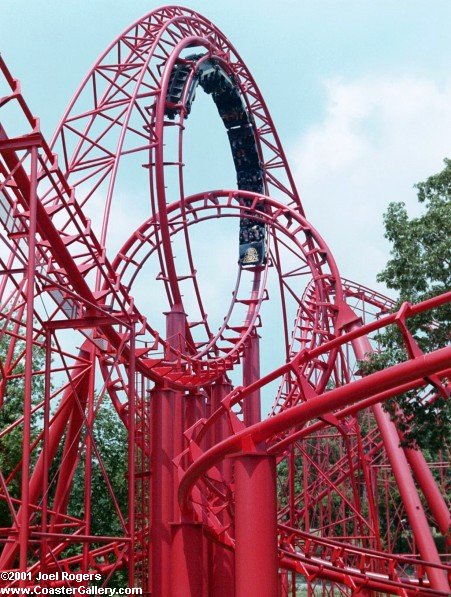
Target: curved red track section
[[108, 308]]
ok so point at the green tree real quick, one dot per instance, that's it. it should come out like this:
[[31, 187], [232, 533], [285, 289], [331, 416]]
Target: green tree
[[419, 269]]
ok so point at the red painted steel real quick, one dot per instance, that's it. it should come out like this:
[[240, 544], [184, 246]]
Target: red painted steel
[[256, 561], [221, 501]]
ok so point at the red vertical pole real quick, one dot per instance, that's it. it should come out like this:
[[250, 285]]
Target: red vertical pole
[[45, 447], [256, 563], [283, 583], [187, 546], [28, 383], [131, 457], [292, 497], [174, 561], [251, 415], [167, 443], [88, 458], [189, 533], [222, 561], [218, 392], [251, 373], [187, 560], [194, 408], [175, 336], [162, 502]]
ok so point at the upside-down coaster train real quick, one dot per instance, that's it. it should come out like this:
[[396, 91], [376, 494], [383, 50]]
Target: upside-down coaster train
[[220, 501]]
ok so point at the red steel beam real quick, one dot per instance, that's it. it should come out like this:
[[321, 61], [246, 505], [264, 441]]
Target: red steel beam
[[256, 560], [388, 380]]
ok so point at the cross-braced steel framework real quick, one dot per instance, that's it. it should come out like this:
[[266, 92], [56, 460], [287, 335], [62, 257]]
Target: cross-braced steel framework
[[319, 495]]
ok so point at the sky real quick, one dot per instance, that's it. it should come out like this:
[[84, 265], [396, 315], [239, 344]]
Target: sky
[[359, 91]]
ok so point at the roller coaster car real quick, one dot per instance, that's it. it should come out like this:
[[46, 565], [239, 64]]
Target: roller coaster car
[[230, 107], [252, 254], [252, 242], [250, 180], [244, 152], [233, 112], [213, 80], [176, 87], [241, 137]]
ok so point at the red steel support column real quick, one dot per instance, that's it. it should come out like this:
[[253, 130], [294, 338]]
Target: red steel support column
[[194, 408], [256, 562], [407, 489], [419, 466], [251, 373], [188, 561], [45, 448], [222, 561], [178, 545], [167, 442], [283, 583], [429, 489], [190, 533], [188, 552], [28, 383], [175, 336], [88, 456], [220, 431], [131, 456], [188, 579], [162, 506], [409, 495]]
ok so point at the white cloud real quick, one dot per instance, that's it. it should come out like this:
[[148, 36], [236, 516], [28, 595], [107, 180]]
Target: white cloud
[[378, 137]]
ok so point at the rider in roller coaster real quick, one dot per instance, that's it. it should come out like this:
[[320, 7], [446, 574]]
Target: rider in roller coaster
[[232, 110]]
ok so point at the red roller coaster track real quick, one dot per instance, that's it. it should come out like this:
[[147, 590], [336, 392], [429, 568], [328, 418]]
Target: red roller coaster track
[[319, 496]]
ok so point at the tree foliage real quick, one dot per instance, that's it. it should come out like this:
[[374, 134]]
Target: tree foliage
[[419, 269]]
